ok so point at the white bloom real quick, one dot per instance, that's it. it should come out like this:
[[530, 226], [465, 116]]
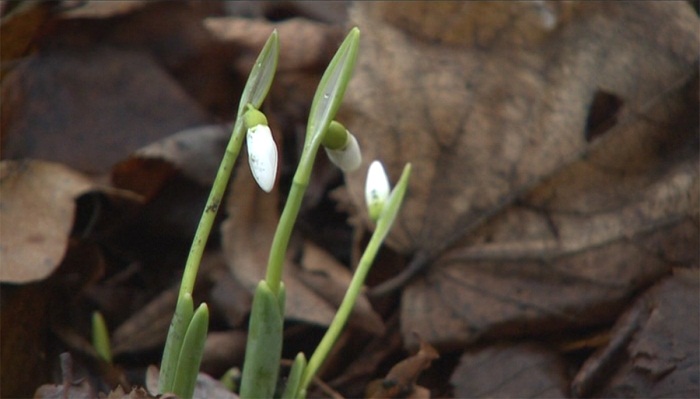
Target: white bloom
[[347, 158], [376, 189], [262, 156]]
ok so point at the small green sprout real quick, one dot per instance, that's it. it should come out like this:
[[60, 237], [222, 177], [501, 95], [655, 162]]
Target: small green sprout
[[100, 337]]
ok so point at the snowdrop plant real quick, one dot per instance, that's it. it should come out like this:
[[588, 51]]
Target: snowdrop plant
[[185, 342]]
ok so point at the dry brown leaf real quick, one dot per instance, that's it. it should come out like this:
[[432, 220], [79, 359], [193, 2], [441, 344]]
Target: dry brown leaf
[[105, 103], [37, 209], [19, 27], [659, 355], [147, 328], [515, 371], [312, 278], [401, 380], [304, 44], [195, 153], [528, 214]]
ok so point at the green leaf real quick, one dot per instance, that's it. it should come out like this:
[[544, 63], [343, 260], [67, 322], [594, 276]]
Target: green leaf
[[260, 78], [100, 337], [264, 346], [173, 344], [327, 100], [393, 204], [294, 380], [191, 354]]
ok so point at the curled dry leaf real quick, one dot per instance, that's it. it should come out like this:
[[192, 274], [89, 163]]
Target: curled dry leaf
[[37, 210], [195, 152], [314, 280], [400, 382], [530, 209]]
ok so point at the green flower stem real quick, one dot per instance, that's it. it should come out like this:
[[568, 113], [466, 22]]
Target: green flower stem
[[275, 262], [325, 104], [384, 223], [209, 214], [257, 86]]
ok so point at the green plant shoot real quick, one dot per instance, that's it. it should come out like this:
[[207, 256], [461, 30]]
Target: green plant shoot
[[254, 93], [263, 349]]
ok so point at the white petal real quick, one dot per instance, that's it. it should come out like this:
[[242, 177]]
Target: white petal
[[349, 157], [262, 156], [376, 189]]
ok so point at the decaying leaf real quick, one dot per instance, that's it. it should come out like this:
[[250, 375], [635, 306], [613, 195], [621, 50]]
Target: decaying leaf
[[20, 24], [658, 356], [528, 212], [147, 328], [37, 210], [510, 371], [304, 44], [196, 153], [314, 280], [104, 104], [400, 382]]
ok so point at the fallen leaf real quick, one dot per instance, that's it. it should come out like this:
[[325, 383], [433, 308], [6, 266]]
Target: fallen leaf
[[223, 350], [147, 328], [71, 387], [195, 153], [521, 218], [660, 358], [401, 380], [37, 209], [304, 44], [19, 27], [105, 103], [510, 371]]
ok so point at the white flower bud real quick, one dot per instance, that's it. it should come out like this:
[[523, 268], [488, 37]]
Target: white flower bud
[[347, 158], [262, 156], [377, 189]]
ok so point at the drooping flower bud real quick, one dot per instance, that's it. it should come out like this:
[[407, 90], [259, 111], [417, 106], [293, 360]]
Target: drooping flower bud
[[342, 147], [262, 151], [377, 189]]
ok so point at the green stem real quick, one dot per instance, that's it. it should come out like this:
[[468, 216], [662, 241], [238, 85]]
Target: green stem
[[343, 313], [283, 233], [209, 214]]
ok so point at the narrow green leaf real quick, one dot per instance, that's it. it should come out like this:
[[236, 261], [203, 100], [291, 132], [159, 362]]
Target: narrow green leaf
[[191, 354], [264, 346], [100, 337], [393, 203], [173, 344], [327, 100], [260, 78], [331, 89], [294, 380]]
